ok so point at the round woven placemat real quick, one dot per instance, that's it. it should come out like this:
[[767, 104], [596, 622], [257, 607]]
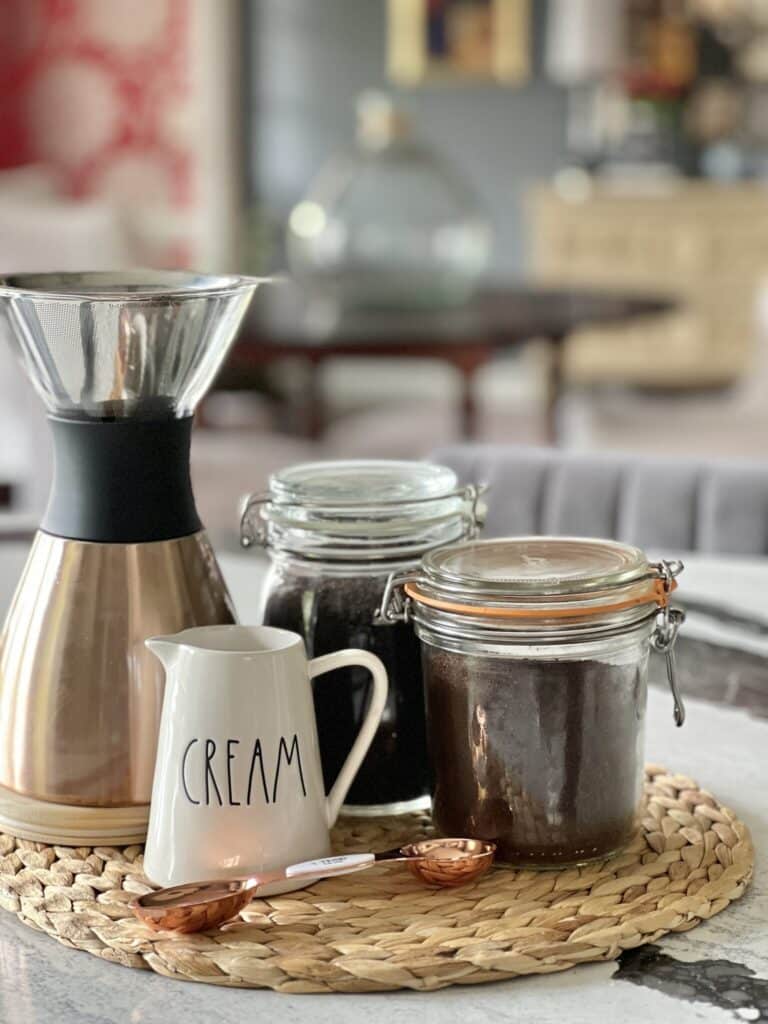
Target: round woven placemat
[[382, 929]]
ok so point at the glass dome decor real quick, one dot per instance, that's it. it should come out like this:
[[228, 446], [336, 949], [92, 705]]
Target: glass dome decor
[[389, 225]]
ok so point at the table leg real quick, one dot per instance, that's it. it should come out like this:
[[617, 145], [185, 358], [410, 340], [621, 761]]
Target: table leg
[[468, 419], [555, 387], [468, 363], [315, 403]]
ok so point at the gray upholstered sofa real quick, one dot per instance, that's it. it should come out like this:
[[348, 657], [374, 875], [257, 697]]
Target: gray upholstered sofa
[[714, 507]]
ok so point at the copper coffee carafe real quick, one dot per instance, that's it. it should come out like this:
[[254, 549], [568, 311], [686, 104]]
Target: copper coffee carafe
[[120, 361]]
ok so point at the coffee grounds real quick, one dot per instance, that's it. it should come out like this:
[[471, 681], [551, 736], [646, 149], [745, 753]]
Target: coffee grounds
[[335, 612], [542, 757]]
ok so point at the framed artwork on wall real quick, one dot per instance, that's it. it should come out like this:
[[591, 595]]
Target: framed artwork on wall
[[454, 41]]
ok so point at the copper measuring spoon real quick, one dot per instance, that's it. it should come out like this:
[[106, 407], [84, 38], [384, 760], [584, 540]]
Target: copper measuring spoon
[[203, 905]]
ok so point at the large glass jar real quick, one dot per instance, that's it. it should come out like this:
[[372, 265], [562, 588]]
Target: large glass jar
[[535, 654], [335, 531]]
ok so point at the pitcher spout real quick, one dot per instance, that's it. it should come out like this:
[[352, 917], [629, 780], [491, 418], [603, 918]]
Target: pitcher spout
[[166, 648]]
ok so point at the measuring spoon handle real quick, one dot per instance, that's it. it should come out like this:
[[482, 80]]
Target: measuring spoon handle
[[327, 867]]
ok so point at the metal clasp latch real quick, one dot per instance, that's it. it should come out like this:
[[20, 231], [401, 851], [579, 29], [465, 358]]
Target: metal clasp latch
[[475, 517], [668, 622], [395, 604], [252, 532]]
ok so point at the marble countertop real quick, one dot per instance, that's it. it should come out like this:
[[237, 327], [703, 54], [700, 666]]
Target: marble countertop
[[718, 972]]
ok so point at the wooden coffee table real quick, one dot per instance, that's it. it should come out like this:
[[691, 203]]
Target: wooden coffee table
[[285, 324]]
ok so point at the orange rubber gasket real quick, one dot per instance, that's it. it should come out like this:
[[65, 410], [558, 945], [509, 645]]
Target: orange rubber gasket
[[658, 593]]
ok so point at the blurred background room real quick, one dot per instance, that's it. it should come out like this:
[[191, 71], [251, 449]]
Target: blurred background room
[[530, 222]]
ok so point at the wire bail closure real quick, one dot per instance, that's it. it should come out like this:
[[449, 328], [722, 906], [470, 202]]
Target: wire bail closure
[[668, 622], [395, 604], [471, 494], [252, 532]]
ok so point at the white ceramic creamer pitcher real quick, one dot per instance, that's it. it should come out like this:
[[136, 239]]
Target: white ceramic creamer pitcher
[[238, 784]]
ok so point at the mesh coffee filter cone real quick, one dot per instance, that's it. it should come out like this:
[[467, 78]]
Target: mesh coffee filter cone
[[115, 344]]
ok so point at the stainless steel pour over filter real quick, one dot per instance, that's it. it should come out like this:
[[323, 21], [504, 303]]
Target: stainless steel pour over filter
[[120, 361]]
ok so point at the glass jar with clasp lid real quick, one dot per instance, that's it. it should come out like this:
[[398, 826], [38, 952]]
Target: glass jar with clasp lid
[[535, 654], [335, 531]]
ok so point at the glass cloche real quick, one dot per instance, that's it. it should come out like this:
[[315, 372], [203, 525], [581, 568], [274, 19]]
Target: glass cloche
[[389, 224]]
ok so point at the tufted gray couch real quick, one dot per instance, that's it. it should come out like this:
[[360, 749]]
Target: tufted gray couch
[[717, 507]]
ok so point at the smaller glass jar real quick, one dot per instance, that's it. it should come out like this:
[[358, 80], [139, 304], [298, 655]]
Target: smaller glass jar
[[335, 532], [535, 654]]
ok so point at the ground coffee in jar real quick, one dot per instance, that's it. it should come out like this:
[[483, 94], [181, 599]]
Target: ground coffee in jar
[[535, 654], [335, 532]]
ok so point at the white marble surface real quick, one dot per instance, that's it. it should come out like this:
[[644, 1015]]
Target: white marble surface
[[724, 749]]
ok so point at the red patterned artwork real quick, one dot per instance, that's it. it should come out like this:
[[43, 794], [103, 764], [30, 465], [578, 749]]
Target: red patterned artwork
[[100, 91]]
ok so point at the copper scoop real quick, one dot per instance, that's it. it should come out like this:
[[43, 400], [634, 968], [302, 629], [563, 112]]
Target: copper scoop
[[203, 905]]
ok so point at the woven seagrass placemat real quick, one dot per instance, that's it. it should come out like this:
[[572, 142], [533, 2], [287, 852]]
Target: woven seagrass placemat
[[382, 929]]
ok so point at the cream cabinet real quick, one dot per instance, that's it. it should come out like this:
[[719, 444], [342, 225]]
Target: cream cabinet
[[704, 245]]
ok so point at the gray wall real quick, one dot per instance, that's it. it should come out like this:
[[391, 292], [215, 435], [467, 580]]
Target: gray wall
[[308, 60]]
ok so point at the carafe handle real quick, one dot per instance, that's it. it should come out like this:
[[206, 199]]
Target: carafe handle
[[341, 659]]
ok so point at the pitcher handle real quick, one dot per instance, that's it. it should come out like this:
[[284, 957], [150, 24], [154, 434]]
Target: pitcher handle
[[365, 659]]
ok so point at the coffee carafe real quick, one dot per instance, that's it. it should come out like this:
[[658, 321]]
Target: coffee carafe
[[120, 361]]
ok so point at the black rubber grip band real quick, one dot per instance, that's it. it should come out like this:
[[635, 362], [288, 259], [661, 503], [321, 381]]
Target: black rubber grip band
[[122, 481]]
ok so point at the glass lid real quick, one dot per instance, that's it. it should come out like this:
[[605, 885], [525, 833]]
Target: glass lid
[[362, 482], [353, 509], [542, 587], [528, 566], [108, 345], [540, 578]]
